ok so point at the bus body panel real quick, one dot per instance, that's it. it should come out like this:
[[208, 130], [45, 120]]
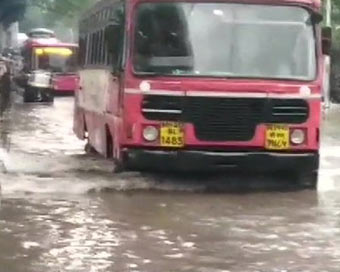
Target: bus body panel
[[111, 107], [222, 90], [96, 107], [65, 83]]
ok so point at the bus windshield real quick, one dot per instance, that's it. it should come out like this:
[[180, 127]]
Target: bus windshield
[[225, 40], [57, 60]]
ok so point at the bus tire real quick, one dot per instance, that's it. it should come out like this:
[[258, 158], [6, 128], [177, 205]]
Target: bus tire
[[29, 95], [47, 97], [308, 180], [121, 165], [109, 143], [89, 149]]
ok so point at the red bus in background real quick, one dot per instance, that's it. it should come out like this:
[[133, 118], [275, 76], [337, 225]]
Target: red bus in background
[[48, 59], [64, 83], [203, 85], [65, 79]]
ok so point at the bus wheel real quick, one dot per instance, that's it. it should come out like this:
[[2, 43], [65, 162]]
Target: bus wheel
[[121, 164], [47, 97], [308, 180], [89, 149], [119, 167], [29, 95], [109, 144]]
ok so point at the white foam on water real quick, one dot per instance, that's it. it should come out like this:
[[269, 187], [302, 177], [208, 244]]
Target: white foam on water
[[34, 184], [95, 183], [4, 158], [328, 180], [29, 244]]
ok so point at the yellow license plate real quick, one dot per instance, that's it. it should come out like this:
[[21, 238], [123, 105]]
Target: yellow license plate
[[277, 137], [172, 135]]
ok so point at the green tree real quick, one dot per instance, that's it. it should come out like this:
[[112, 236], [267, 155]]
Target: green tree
[[60, 15], [33, 18], [336, 11], [65, 11], [336, 23], [11, 11]]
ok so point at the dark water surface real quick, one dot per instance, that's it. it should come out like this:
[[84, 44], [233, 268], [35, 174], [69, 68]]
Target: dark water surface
[[63, 210]]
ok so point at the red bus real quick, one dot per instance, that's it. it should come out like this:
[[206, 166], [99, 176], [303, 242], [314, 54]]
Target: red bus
[[49, 55], [203, 84]]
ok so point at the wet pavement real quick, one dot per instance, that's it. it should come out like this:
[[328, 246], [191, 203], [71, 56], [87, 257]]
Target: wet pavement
[[63, 210]]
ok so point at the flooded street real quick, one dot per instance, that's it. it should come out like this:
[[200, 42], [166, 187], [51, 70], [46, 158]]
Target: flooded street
[[64, 210]]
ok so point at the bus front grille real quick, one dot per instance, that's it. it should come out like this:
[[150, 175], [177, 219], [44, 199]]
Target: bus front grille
[[224, 119], [162, 108], [227, 119], [291, 111]]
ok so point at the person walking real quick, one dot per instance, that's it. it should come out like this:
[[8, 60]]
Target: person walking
[[3, 66], [5, 84]]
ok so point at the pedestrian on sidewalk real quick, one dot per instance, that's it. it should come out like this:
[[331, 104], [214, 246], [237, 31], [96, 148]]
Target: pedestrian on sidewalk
[[5, 85], [3, 66]]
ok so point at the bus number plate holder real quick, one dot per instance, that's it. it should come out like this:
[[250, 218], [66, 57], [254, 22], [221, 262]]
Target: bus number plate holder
[[172, 135], [277, 137]]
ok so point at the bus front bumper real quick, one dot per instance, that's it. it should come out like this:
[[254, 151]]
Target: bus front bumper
[[187, 160]]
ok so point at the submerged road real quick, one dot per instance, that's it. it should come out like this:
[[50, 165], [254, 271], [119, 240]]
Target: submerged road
[[63, 210]]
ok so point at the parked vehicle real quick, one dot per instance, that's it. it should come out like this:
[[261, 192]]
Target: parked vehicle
[[65, 83], [203, 85], [5, 83], [39, 87], [41, 33], [47, 56]]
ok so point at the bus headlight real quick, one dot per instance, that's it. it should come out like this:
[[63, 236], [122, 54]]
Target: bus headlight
[[150, 133], [297, 136]]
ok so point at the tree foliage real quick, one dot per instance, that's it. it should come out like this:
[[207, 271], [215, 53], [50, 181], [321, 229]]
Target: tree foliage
[[336, 3], [59, 15], [336, 23], [11, 11], [66, 11], [336, 11]]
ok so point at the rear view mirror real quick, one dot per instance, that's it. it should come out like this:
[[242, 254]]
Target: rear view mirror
[[326, 40]]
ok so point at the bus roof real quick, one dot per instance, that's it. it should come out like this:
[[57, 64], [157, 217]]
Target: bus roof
[[311, 4], [41, 32], [100, 14], [52, 42]]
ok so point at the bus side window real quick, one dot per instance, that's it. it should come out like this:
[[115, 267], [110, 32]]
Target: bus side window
[[114, 36], [82, 50]]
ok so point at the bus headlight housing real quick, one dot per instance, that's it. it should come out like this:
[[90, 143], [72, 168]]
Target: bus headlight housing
[[297, 136], [150, 133]]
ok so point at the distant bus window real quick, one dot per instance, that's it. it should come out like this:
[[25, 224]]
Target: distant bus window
[[59, 60]]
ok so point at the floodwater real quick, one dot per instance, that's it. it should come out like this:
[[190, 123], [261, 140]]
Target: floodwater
[[63, 210]]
